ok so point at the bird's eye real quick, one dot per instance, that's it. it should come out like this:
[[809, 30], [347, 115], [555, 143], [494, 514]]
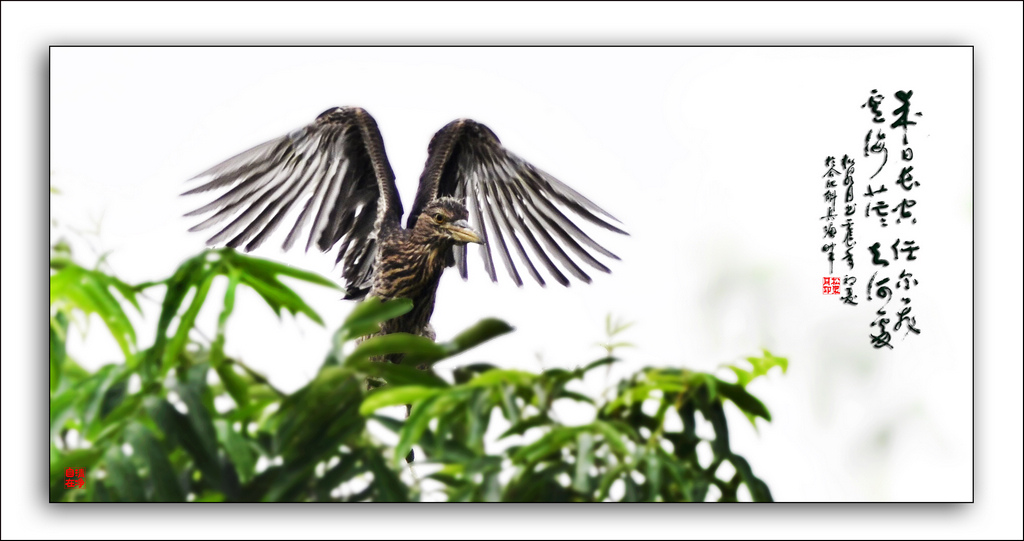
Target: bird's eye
[[439, 218]]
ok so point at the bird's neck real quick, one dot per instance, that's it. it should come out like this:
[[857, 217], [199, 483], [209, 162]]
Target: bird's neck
[[409, 266]]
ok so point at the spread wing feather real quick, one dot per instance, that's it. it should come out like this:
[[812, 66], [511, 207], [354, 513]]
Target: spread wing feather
[[511, 203], [335, 170]]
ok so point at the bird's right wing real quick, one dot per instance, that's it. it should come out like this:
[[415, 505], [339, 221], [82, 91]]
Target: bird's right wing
[[334, 170]]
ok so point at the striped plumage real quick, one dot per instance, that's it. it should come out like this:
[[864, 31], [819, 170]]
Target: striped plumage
[[335, 175]]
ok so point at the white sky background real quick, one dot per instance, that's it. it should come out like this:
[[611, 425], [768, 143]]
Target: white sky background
[[159, 124], [712, 158]]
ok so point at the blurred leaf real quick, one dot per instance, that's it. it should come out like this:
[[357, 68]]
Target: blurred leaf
[[547, 445], [210, 496], [89, 291], [388, 486], [123, 475], [177, 288], [217, 348], [366, 317], [235, 385], [237, 450], [612, 437], [394, 396], [417, 349], [278, 296], [166, 487], [521, 427], [268, 268], [653, 475], [760, 366], [600, 362], [484, 330], [576, 396], [417, 422], [716, 415], [584, 461], [492, 378], [58, 348], [346, 468], [94, 392], [747, 402], [758, 489], [398, 374], [195, 432]]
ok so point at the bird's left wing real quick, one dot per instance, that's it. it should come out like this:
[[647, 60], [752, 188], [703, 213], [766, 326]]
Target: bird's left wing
[[510, 202], [334, 169]]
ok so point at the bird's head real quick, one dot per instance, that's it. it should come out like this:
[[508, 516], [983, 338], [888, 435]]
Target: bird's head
[[444, 221]]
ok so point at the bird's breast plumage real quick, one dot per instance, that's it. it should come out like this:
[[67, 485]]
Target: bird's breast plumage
[[409, 268]]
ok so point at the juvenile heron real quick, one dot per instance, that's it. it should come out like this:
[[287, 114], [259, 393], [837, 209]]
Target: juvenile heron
[[472, 190]]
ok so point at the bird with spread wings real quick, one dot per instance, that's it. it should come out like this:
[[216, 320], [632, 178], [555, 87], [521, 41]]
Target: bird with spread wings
[[335, 175]]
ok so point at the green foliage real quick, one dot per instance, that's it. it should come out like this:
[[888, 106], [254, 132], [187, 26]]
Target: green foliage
[[147, 429]]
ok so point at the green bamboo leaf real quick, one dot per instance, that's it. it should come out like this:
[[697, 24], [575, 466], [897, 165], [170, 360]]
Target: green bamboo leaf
[[123, 477], [653, 475], [210, 496], [716, 415], [509, 406], [195, 431], [417, 349], [127, 291], [186, 322], [90, 292], [393, 396], [366, 317], [58, 348], [758, 489], [612, 437], [166, 487], [61, 410], [479, 333], [95, 394], [635, 395], [492, 378], [217, 348], [759, 367], [584, 461], [416, 424], [237, 449], [745, 401], [521, 427], [278, 296], [347, 468], [743, 377], [113, 397], [572, 395], [600, 362], [386, 484], [547, 445], [234, 383], [609, 477], [125, 409], [398, 374], [269, 268], [177, 287]]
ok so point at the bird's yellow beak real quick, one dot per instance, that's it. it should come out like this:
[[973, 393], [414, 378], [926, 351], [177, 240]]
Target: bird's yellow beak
[[461, 232]]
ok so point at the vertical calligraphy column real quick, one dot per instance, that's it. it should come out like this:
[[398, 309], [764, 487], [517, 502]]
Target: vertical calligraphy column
[[830, 284], [905, 181], [900, 216], [849, 210]]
